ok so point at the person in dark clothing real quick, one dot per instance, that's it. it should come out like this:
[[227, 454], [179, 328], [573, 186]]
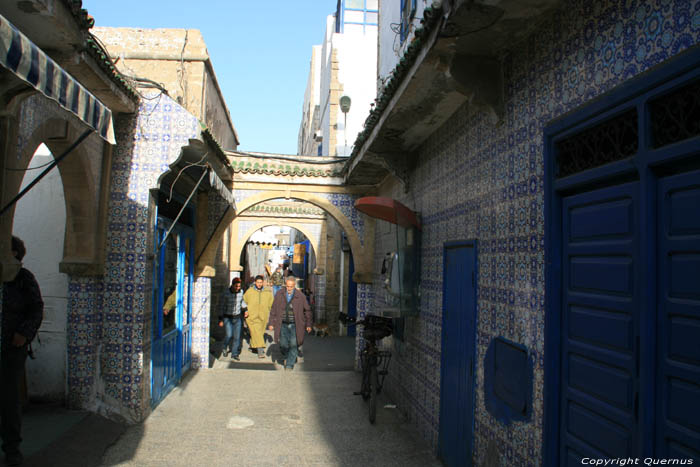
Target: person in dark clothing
[[22, 312], [289, 317], [233, 310]]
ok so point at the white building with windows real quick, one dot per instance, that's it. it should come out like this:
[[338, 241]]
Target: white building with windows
[[340, 67]]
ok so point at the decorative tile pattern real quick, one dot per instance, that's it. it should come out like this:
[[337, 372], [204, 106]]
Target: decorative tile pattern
[[478, 180]]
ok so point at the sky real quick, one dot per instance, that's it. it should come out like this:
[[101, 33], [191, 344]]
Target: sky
[[260, 51]]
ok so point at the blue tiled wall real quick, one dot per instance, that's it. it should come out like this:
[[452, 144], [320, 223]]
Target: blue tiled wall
[[477, 179]]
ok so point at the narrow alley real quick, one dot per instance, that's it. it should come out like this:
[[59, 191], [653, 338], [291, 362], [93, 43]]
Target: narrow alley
[[489, 209]]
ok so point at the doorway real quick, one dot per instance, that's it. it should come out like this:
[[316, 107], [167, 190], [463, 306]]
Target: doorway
[[458, 354], [623, 226], [172, 317]]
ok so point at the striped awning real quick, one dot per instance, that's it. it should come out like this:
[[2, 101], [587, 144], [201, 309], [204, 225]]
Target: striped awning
[[29, 63]]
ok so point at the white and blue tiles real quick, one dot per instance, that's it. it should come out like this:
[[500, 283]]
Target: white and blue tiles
[[477, 180]]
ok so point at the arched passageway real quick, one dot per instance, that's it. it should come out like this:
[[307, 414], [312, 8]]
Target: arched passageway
[[363, 253]]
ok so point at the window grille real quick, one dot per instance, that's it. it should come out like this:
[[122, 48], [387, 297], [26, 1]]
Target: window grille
[[675, 116], [612, 140]]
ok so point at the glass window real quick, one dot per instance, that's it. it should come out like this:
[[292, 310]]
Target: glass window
[[372, 17], [354, 17], [372, 4], [359, 4], [170, 284]]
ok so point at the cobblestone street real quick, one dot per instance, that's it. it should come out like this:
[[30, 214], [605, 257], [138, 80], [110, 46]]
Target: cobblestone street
[[267, 416]]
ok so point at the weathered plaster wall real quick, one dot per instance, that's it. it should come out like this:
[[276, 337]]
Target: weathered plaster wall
[[39, 216], [477, 180], [178, 59]]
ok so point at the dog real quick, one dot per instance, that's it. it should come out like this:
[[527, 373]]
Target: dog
[[321, 329]]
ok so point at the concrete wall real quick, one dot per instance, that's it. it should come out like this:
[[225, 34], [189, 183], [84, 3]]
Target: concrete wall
[[310, 112], [40, 218], [178, 59], [485, 181]]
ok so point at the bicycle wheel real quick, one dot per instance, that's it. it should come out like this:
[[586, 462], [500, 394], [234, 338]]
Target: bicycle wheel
[[373, 393], [366, 387]]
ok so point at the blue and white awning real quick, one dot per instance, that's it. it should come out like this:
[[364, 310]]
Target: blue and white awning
[[29, 63]]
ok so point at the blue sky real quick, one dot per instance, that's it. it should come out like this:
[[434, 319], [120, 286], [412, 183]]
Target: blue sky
[[260, 51]]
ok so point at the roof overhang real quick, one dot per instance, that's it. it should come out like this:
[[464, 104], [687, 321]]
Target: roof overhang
[[454, 61], [196, 158], [30, 64]]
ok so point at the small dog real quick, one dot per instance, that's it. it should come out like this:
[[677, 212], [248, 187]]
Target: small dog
[[321, 329]]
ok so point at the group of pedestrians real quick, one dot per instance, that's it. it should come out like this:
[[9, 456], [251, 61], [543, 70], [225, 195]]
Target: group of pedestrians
[[287, 313]]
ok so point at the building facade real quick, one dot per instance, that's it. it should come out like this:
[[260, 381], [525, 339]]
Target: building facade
[[144, 183], [339, 67], [547, 154]]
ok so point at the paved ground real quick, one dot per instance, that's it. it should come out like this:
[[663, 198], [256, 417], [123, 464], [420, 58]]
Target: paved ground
[[248, 413], [267, 416], [60, 437]]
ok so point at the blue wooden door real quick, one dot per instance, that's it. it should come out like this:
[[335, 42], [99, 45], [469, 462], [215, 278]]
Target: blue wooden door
[[457, 360], [599, 325], [172, 305], [678, 318]]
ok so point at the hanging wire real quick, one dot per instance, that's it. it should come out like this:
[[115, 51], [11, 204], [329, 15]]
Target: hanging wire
[[194, 164], [29, 168]]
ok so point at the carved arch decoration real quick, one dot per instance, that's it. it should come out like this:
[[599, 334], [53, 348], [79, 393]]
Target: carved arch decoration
[[362, 254]]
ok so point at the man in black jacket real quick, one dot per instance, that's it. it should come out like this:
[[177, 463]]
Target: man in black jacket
[[22, 312]]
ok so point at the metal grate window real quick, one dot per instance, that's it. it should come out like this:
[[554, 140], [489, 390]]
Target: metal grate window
[[612, 140], [675, 116]]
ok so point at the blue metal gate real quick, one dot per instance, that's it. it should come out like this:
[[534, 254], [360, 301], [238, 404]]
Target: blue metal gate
[[458, 354], [172, 302]]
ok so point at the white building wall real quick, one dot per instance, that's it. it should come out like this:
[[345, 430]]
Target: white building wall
[[357, 68], [39, 221], [391, 49], [356, 52]]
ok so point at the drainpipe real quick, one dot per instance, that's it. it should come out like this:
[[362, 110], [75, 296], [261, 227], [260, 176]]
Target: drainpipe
[[341, 298]]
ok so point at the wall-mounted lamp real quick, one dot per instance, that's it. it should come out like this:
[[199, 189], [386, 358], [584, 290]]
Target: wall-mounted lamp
[[345, 102]]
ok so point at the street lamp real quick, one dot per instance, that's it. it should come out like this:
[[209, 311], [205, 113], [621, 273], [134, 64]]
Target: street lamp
[[345, 102]]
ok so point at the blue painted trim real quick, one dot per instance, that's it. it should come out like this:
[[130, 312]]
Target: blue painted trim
[[637, 91], [446, 246]]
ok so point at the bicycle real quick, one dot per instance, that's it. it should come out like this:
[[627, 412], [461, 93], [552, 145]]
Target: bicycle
[[375, 362]]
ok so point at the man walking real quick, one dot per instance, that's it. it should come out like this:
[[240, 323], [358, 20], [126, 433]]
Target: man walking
[[259, 300], [22, 312], [233, 310], [277, 280], [289, 317]]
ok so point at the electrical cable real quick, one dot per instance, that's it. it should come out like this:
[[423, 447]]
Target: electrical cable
[[29, 168], [194, 164]]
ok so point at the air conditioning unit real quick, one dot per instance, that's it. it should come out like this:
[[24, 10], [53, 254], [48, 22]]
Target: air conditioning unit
[[318, 136]]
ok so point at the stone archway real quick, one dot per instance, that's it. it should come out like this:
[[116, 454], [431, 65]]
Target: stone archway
[[363, 253], [239, 244], [82, 176]]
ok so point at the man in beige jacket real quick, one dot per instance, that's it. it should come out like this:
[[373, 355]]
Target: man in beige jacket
[[259, 300]]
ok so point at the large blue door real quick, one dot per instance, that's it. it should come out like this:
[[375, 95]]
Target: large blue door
[[599, 324], [457, 361], [678, 318]]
